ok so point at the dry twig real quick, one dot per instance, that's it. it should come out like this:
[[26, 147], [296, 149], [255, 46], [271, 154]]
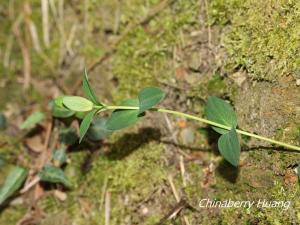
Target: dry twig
[[107, 207], [25, 52], [45, 19], [182, 205]]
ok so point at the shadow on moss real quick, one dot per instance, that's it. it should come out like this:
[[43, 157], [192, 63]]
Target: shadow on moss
[[228, 172], [130, 142]]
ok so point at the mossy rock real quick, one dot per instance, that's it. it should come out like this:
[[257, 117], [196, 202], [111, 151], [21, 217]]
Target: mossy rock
[[262, 37]]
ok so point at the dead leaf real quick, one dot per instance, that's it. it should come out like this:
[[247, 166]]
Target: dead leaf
[[181, 123], [290, 177], [62, 196], [208, 176], [180, 73], [35, 143]]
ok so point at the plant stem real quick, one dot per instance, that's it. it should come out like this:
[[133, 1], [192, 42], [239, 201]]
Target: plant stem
[[211, 123]]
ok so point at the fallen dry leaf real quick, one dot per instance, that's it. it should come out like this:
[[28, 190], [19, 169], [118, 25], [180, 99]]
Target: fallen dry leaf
[[62, 196], [181, 123], [35, 143], [290, 177], [180, 73]]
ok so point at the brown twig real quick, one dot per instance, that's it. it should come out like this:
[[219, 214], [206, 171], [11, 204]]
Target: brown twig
[[182, 206], [104, 187], [46, 153], [31, 27], [32, 183], [208, 25], [8, 49], [182, 170], [43, 160], [107, 207], [25, 52], [111, 49], [173, 212], [45, 19], [117, 16]]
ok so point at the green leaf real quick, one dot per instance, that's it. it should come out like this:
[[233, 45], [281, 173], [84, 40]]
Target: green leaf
[[229, 147], [80, 115], [219, 111], [98, 130], [59, 157], [88, 91], [68, 136], [85, 124], [32, 120], [149, 97], [54, 175], [120, 119], [59, 101], [12, 183], [60, 111], [77, 103]]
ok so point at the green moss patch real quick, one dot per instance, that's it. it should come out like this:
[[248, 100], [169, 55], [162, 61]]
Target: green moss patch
[[262, 38]]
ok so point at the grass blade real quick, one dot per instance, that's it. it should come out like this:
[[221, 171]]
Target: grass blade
[[12, 183], [32, 120]]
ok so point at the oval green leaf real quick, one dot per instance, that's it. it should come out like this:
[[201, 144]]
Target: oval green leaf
[[60, 111], [53, 174], [12, 183], [80, 115], [219, 111], [67, 136], [229, 147], [87, 89], [120, 119], [59, 101], [149, 97], [85, 124], [32, 120], [77, 103], [59, 157]]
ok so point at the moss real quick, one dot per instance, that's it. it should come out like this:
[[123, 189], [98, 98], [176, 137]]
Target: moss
[[12, 215], [131, 175], [212, 85], [263, 37], [243, 190], [260, 39], [144, 56]]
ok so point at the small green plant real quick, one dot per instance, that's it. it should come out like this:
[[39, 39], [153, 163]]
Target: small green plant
[[220, 115]]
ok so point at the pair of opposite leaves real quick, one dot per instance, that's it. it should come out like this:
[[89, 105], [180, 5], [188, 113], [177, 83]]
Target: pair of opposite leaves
[[217, 110], [119, 119]]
